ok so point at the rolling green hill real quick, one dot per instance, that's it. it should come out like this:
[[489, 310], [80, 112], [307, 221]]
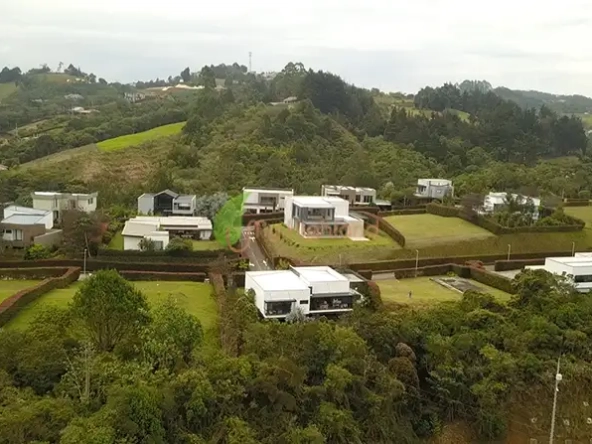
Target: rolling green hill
[[139, 138]]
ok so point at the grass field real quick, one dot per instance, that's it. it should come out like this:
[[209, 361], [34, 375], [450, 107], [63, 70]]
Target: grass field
[[7, 89], [332, 251], [428, 229], [136, 139], [55, 77], [425, 292], [195, 297], [584, 213], [10, 287], [116, 242]]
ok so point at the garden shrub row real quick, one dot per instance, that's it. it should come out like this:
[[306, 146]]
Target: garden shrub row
[[94, 265], [380, 223], [135, 275], [493, 280], [492, 226], [31, 273], [151, 255], [576, 203], [517, 264], [403, 212], [250, 218], [11, 306], [398, 264]]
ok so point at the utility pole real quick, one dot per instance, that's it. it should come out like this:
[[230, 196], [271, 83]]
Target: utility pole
[[573, 249], [509, 250], [416, 261], [558, 379]]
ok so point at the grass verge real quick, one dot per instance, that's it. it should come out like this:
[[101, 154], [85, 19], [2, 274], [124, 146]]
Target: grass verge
[[116, 242], [10, 287], [118, 143]]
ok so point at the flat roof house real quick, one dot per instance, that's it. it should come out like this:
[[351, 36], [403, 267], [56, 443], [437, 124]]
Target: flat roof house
[[578, 268], [162, 229], [354, 195], [434, 188], [498, 202], [58, 202], [167, 203], [22, 227], [265, 200], [318, 216], [316, 290]]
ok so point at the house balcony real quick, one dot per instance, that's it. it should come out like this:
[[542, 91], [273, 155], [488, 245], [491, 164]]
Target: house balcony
[[324, 229]]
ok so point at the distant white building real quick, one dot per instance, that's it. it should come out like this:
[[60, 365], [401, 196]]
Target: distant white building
[[265, 200], [578, 269], [291, 99], [434, 188], [162, 229], [354, 195], [320, 216], [495, 202], [316, 290], [59, 202]]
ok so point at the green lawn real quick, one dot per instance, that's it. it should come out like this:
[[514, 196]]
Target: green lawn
[[584, 213], [425, 292], [139, 138], [116, 242], [202, 245], [195, 297], [10, 287], [421, 230], [331, 251], [7, 89]]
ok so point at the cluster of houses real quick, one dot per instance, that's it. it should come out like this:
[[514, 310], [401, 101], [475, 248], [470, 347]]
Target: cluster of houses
[[22, 226]]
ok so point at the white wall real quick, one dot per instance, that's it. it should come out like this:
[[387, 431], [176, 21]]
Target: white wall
[[250, 284], [87, 205], [162, 236], [355, 229], [341, 208], [44, 204], [146, 204], [131, 242], [288, 212]]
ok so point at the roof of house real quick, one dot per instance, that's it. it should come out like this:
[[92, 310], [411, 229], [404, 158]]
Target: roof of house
[[347, 188], [24, 219], [319, 274], [139, 228], [578, 261], [54, 194], [169, 192], [435, 182], [137, 225], [317, 201], [501, 198], [25, 210], [277, 280], [279, 190], [382, 202]]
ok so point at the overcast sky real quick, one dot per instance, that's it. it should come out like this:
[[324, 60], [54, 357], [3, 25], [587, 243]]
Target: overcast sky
[[395, 45]]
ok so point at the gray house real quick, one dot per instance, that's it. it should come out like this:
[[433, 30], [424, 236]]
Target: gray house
[[167, 203], [434, 188]]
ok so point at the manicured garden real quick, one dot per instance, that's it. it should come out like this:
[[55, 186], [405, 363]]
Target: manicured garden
[[139, 138], [10, 287], [426, 292], [289, 243], [428, 229], [195, 297]]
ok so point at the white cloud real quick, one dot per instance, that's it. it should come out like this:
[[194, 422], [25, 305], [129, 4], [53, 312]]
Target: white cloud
[[394, 44]]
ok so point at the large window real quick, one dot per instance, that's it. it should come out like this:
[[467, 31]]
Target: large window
[[367, 199], [278, 308], [583, 278], [18, 235], [331, 303]]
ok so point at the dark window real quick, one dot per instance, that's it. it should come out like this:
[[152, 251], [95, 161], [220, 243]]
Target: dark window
[[368, 199], [304, 302], [583, 278]]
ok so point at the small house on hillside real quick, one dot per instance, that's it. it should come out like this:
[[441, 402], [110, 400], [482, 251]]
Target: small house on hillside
[[434, 188], [22, 227], [354, 195], [494, 202], [291, 99], [167, 203], [265, 200], [161, 230], [59, 202]]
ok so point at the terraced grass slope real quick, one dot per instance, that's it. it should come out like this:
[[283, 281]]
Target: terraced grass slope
[[195, 297], [121, 142]]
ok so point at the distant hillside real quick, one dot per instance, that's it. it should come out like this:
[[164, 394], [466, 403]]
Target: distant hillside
[[575, 104]]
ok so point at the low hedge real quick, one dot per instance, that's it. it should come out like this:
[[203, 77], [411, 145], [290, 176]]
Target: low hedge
[[403, 211], [132, 275], [250, 218], [430, 270], [377, 222], [94, 265], [493, 280], [31, 273], [151, 255], [11, 306], [576, 203], [398, 264], [492, 226], [517, 264]]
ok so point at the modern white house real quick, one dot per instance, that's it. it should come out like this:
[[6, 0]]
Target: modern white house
[[494, 202], [316, 290], [434, 188], [162, 229], [167, 203], [354, 195], [22, 227], [265, 200], [578, 269], [318, 216], [58, 202]]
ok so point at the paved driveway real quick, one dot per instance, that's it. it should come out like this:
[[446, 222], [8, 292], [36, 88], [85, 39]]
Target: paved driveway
[[257, 259]]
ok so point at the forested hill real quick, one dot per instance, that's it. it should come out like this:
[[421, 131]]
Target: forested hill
[[574, 104]]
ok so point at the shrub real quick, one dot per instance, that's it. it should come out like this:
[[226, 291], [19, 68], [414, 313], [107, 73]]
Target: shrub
[[373, 299], [36, 252], [134, 275], [179, 245], [147, 245]]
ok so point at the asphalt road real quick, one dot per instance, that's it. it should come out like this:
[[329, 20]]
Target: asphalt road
[[257, 259]]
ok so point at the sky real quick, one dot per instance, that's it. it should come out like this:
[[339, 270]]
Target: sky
[[394, 45]]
